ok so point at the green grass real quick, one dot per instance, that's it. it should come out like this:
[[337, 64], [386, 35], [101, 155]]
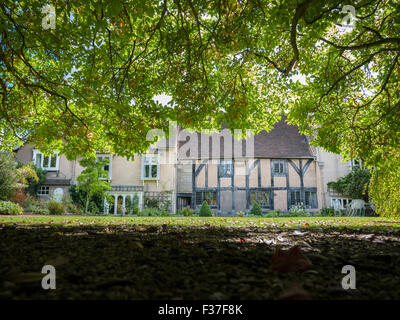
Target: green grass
[[300, 222]]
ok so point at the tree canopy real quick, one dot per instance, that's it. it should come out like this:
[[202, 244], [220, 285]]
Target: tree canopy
[[89, 83]]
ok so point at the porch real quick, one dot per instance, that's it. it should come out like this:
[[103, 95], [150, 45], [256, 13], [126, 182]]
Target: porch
[[126, 198]]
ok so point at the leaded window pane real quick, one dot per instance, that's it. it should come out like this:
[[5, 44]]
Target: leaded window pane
[[154, 171], [252, 197], [265, 198], [39, 160], [53, 161], [213, 198], [46, 161]]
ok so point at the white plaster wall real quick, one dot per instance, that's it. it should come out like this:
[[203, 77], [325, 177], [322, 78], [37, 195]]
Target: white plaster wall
[[331, 168]]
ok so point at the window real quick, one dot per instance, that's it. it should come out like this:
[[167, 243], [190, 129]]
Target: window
[[310, 199], [295, 199], [184, 202], [278, 166], [151, 167], [260, 197], [43, 191], [340, 203], [209, 196], [46, 162], [306, 199], [108, 167], [226, 168], [355, 163]]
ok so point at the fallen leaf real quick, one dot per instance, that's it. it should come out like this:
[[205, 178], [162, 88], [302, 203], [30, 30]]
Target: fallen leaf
[[282, 239], [58, 261], [269, 241], [135, 245], [179, 236], [292, 260], [163, 228], [299, 233], [295, 292], [27, 277]]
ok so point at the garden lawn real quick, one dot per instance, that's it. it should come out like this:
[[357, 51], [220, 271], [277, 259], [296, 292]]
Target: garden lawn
[[371, 223], [113, 257]]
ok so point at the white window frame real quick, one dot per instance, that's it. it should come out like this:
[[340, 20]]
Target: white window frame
[[48, 168], [353, 163], [40, 193], [340, 199], [109, 157], [150, 158]]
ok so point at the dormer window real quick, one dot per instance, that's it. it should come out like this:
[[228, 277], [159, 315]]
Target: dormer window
[[46, 162]]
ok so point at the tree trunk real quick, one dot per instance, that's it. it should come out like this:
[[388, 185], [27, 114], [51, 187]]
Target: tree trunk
[[87, 203]]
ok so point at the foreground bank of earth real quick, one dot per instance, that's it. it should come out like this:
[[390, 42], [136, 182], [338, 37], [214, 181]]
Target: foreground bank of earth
[[197, 258]]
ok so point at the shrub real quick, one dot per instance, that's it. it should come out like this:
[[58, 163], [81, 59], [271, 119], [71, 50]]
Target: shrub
[[55, 208], [186, 212], [35, 206], [273, 214], [150, 212], [10, 208], [240, 214], [71, 207], [74, 209], [120, 209], [151, 202], [160, 200], [205, 210], [328, 212], [298, 212], [256, 210], [78, 198], [93, 208], [33, 184], [132, 205], [19, 197], [165, 214], [8, 175], [37, 210]]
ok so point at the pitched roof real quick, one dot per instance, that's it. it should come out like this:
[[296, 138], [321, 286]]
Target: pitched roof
[[283, 141]]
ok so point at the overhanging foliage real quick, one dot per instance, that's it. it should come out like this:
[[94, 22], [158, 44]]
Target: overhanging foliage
[[220, 61]]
